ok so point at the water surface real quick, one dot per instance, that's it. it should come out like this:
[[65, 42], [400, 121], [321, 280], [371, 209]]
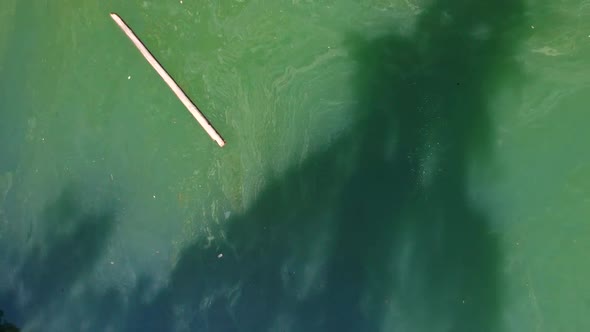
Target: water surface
[[392, 165]]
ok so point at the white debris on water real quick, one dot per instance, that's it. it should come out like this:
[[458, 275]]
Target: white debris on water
[[227, 214], [548, 51], [220, 255], [128, 77]]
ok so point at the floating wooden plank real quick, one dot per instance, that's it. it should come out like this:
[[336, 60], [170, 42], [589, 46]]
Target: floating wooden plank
[[168, 79]]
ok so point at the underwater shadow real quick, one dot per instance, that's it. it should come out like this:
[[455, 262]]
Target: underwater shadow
[[377, 231], [6, 326], [72, 241]]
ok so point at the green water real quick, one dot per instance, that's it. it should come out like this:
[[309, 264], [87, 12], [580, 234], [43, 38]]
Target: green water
[[391, 165]]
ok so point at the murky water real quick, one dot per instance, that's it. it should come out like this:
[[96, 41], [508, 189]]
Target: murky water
[[403, 165]]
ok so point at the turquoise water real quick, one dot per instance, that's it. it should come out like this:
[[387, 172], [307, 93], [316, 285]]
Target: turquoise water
[[390, 166]]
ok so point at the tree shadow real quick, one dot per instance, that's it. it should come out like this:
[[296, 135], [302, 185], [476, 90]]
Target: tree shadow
[[74, 237], [378, 230]]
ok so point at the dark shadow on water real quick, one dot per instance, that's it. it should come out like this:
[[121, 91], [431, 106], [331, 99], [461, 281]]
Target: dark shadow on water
[[6, 326], [377, 231], [74, 238]]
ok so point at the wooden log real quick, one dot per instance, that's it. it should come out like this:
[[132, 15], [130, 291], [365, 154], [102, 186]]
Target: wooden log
[[171, 83]]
